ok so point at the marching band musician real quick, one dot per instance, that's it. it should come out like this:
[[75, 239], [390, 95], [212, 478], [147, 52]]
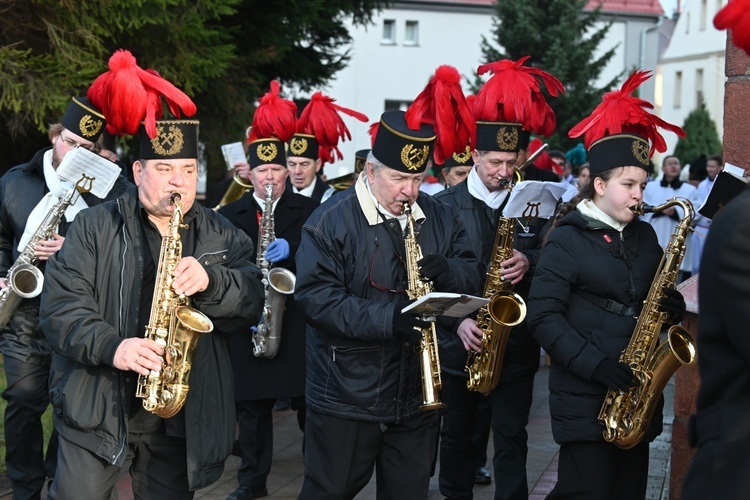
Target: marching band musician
[[593, 275], [27, 193], [122, 270], [363, 375], [502, 131], [260, 381]]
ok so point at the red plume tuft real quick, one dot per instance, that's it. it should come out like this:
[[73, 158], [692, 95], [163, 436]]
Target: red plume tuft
[[373, 132], [544, 160], [128, 94], [321, 119], [275, 116], [514, 94], [442, 103], [735, 16], [621, 112]]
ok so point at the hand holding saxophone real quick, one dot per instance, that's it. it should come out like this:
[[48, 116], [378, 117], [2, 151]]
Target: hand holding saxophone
[[514, 268], [471, 335], [673, 303], [46, 248], [138, 355], [189, 277]]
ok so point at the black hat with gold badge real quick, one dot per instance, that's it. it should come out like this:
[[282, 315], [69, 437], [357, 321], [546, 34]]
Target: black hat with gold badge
[[175, 139], [83, 119], [274, 124]]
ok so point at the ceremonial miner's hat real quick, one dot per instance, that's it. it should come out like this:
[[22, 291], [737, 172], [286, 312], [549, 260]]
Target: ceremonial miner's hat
[[511, 105], [84, 119], [274, 124], [174, 139], [621, 131]]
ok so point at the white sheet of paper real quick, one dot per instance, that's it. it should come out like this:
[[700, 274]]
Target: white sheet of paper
[[534, 199], [233, 154], [455, 305], [80, 161]]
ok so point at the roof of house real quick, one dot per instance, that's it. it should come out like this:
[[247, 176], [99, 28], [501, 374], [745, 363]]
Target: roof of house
[[631, 6]]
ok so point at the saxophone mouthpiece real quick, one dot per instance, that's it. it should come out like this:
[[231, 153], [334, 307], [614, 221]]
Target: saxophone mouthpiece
[[642, 208], [175, 198]]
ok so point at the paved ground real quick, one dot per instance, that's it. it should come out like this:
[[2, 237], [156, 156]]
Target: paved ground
[[286, 476]]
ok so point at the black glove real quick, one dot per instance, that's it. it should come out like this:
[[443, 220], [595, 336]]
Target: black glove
[[433, 267], [673, 303], [404, 325], [614, 375]]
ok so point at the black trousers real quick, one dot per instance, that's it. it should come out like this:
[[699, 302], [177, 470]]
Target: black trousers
[[595, 470], [255, 422], [27, 395], [482, 428], [158, 468], [341, 454]]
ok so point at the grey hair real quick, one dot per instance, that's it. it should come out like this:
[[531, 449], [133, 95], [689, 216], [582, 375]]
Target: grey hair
[[379, 165]]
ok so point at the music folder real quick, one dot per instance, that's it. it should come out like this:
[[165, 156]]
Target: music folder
[[455, 305]]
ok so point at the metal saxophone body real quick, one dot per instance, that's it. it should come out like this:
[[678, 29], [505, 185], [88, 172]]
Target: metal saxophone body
[[496, 319], [626, 415], [428, 348], [175, 326], [24, 279], [278, 282]]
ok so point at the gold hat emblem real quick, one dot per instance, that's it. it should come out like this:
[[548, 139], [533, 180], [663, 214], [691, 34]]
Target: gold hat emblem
[[462, 157], [507, 138], [267, 152], [413, 157], [168, 142], [89, 126], [640, 152], [298, 145]]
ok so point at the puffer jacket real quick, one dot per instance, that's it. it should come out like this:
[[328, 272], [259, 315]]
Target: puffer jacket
[[21, 188], [347, 270], [586, 258], [90, 304]]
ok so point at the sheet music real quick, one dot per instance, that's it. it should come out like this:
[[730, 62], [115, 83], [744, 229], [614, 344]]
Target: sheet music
[[81, 161], [534, 199], [455, 305], [233, 154]]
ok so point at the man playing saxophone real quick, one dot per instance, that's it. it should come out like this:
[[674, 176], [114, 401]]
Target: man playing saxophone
[[27, 194], [364, 386], [480, 201], [262, 378], [587, 295], [95, 306]]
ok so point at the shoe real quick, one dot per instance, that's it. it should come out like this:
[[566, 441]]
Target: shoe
[[482, 476], [244, 493], [282, 404]]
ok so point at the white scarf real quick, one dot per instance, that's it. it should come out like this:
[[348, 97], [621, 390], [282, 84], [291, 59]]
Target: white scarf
[[401, 218], [589, 209], [57, 189], [479, 191]]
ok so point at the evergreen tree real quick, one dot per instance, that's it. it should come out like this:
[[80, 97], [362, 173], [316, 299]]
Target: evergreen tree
[[561, 38], [701, 136]]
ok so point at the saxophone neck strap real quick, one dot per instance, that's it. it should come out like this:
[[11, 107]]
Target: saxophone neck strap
[[611, 305]]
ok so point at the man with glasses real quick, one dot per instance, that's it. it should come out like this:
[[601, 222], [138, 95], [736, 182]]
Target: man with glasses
[[364, 387], [27, 193]]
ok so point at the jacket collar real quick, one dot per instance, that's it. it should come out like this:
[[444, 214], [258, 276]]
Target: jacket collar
[[369, 209]]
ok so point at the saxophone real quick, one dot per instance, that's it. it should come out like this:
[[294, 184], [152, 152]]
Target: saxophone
[[626, 415], [235, 191], [428, 348], [24, 278], [175, 326], [278, 282], [496, 319]]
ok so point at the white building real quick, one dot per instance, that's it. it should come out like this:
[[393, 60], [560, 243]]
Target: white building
[[692, 68], [393, 58]]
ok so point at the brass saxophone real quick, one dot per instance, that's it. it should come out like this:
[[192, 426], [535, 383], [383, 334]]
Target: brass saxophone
[[626, 415], [175, 326], [235, 191], [278, 282], [428, 349], [505, 310], [24, 279]]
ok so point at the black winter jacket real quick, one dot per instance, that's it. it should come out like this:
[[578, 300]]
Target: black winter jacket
[[585, 256], [346, 265], [21, 189], [90, 304], [522, 352]]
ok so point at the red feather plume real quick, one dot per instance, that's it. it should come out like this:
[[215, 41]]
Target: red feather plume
[[128, 95], [275, 116], [544, 160], [443, 104], [321, 119], [735, 16], [621, 112], [373, 132], [514, 94]]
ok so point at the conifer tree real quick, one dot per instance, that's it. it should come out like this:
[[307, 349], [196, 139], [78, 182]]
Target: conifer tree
[[701, 137]]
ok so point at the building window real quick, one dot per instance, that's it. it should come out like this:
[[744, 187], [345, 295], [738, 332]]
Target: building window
[[677, 93], [389, 32], [687, 22], [698, 87], [411, 35], [704, 15], [393, 105]]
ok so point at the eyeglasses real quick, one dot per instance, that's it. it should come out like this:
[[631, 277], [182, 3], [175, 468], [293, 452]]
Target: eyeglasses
[[372, 282], [74, 144]]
